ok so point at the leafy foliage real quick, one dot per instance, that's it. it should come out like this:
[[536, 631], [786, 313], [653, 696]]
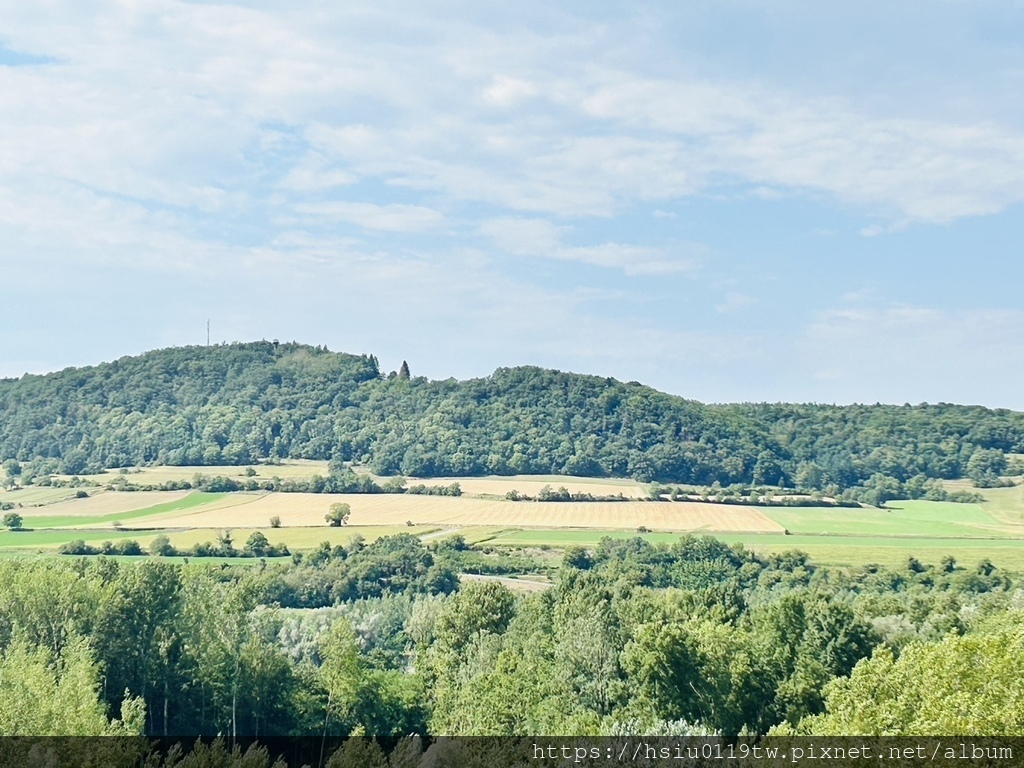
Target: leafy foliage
[[242, 403]]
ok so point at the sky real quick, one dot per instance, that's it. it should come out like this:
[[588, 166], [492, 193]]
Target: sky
[[728, 200]]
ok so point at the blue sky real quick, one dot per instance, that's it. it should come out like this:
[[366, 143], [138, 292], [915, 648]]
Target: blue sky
[[728, 200]]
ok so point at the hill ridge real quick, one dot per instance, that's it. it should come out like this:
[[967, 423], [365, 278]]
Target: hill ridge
[[242, 402]]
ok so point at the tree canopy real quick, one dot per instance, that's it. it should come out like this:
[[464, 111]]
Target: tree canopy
[[241, 403]]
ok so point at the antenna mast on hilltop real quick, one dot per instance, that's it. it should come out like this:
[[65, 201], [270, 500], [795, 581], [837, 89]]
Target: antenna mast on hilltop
[[207, 333]]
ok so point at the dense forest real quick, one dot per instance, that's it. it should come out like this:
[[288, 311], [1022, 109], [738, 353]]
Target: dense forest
[[242, 403], [380, 640]]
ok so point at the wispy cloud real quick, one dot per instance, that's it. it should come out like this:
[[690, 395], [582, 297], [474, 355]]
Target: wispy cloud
[[388, 218], [539, 238], [428, 153]]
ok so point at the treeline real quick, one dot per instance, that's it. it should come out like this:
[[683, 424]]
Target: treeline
[[634, 638], [341, 479], [256, 545], [241, 403]]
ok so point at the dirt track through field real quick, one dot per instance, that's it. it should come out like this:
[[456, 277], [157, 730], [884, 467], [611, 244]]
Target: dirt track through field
[[386, 509]]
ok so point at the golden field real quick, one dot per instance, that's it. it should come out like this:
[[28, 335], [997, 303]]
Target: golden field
[[308, 509]]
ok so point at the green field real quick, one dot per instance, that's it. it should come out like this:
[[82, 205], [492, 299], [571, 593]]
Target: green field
[[932, 519], [51, 539], [823, 550], [929, 531], [196, 499]]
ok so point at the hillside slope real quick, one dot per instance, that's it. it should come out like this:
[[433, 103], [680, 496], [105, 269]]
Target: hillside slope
[[238, 403]]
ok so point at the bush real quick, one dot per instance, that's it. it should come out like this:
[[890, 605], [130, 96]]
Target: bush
[[275, 522]]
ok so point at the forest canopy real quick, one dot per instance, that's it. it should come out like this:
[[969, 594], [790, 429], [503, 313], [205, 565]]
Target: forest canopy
[[246, 402]]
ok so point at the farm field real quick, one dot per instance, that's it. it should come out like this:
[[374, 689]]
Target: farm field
[[823, 550], [495, 485], [1005, 504], [292, 469], [934, 519], [100, 503], [65, 516], [306, 509], [531, 485], [50, 540], [32, 496], [992, 529]]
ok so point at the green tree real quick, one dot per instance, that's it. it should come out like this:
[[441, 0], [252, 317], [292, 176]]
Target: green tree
[[338, 514], [161, 545], [257, 545], [43, 695], [959, 685], [13, 521]]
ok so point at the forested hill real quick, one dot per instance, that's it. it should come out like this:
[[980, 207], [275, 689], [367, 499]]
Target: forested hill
[[239, 403]]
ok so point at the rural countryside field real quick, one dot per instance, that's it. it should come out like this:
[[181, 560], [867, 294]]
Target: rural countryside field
[[929, 531]]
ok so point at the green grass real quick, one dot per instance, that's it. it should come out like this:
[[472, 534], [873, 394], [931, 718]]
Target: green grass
[[1005, 504], [48, 539], [195, 499], [903, 518], [1007, 554]]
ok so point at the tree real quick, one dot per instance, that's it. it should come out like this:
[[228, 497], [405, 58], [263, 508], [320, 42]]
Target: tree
[[809, 476], [960, 685], [47, 696], [257, 545], [13, 521], [161, 545], [338, 515], [13, 469], [225, 544], [403, 372], [767, 470], [985, 466]]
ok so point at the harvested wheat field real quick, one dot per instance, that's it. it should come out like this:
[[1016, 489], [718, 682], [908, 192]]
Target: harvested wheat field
[[292, 469], [107, 503], [530, 485], [385, 509]]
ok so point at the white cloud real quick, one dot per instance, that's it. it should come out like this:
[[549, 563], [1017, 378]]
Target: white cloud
[[541, 239], [915, 169], [388, 218], [508, 91], [532, 237], [175, 112], [200, 138]]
